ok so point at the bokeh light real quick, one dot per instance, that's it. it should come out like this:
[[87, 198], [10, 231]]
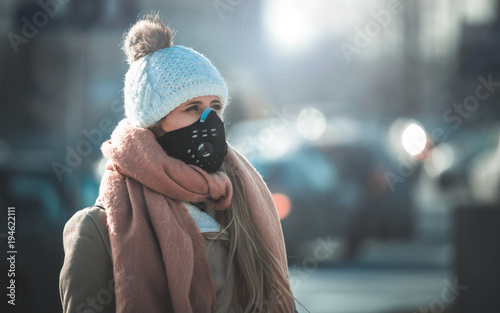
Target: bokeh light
[[414, 139], [290, 25], [441, 158], [311, 123], [283, 204]]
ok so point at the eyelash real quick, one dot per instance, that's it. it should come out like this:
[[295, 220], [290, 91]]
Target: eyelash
[[216, 107]]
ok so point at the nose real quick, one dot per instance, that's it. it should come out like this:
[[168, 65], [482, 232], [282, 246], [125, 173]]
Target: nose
[[206, 110], [205, 114], [205, 104]]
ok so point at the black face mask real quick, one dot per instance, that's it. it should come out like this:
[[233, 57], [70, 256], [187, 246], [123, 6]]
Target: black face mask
[[202, 143]]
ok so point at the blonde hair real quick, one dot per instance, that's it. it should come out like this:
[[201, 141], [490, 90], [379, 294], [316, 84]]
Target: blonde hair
[[261, 280], [156, 128]]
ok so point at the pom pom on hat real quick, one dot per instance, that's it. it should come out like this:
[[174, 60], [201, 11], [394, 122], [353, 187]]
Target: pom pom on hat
[[147, 36], [162, 76]]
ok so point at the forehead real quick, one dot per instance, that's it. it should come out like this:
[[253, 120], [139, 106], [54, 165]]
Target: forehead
[[203, 99]]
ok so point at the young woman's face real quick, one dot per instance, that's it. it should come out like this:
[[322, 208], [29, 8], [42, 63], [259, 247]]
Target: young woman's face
[[189, 112]]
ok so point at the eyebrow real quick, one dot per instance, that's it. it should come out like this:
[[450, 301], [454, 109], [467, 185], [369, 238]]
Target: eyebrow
[[199, 102]]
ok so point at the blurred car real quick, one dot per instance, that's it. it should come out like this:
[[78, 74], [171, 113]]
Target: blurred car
[[485, 176], [333, 186], [462, 170]]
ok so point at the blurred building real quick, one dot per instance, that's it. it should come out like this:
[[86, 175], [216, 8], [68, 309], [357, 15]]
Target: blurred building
[[62, 69]]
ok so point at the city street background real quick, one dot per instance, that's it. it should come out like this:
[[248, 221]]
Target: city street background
[[375, 125]]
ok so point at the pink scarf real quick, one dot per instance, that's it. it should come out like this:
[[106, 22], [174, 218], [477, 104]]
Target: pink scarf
[[159, 258]]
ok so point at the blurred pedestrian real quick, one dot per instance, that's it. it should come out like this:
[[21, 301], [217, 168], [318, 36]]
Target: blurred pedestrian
[[183, 222]]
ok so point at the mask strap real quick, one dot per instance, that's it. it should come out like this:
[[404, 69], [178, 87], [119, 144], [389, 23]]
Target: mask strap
[[205, 114]]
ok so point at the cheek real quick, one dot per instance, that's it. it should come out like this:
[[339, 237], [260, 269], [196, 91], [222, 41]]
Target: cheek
[[164, 125], [177, 121], [169, 123]]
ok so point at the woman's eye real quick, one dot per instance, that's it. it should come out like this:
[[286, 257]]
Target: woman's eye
[[193, 108], [217, 107]]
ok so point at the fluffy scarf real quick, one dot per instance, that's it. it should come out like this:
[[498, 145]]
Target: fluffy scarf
[[159, 258]]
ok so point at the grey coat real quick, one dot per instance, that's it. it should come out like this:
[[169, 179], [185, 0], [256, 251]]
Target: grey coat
[[86, 281]]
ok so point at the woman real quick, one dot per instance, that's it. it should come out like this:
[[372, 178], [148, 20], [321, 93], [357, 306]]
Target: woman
[[183, 222]]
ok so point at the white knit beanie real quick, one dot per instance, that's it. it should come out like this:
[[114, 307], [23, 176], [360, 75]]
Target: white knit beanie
[[159, 80]]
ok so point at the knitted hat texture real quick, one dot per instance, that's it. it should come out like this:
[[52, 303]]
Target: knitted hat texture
[[159, 82]]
